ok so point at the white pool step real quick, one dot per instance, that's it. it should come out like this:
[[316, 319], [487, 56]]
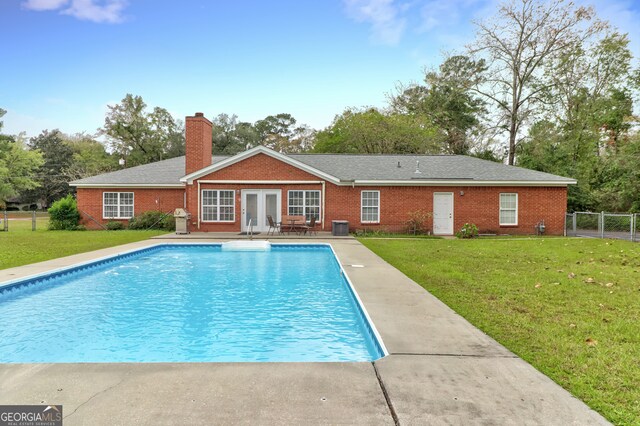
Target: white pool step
[[242, 245]]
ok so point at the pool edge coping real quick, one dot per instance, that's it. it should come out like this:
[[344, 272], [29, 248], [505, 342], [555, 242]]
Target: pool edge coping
[[78, 266]]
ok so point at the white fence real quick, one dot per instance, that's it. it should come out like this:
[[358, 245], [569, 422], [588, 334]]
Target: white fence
[[622, 226]]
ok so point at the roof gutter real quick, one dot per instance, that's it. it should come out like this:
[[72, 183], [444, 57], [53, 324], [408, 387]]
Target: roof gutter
[[455, 182], [127, 185]]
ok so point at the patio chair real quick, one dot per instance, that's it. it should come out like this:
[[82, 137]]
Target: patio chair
[[311, 228], [273, 226]]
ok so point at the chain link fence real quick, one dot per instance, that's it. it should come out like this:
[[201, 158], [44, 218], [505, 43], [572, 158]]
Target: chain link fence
[[622, 226]]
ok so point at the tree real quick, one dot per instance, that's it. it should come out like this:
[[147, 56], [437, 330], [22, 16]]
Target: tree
[[141, 137], [17, 167], [620, 177], [370, 131], [231, 137], [585, 132], [589, 91], [278, 132], [53, 182], [2, 113], [302, 140], [89, 158], [517, 42], [167, 133], [447, 100]]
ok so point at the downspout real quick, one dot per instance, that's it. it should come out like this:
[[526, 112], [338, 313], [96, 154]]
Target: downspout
[[323, 202], [198, 213]]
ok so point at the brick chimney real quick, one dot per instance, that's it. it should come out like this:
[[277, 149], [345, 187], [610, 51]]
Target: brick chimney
[[198, 134]]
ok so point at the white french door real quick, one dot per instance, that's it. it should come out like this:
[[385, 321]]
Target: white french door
[[257, 204]]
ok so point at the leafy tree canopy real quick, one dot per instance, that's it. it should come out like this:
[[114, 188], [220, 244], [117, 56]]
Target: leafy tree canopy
[[370, 131], [90, 157], [279, 132], [231, 136], [448, 101], [140, 136], [53, 181], [17, 168]]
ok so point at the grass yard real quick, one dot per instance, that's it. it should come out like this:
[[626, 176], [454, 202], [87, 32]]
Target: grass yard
[[21, 245], [569, 307]]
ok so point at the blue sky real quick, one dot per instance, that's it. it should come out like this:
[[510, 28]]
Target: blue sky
[[64, 61]]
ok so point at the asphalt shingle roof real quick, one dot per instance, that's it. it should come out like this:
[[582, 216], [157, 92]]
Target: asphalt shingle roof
[[348, 167], [431, 167]]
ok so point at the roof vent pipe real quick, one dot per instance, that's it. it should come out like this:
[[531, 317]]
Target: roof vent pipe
[[399, 164], [418, 167]]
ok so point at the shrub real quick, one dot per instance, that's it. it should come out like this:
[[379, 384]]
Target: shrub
[[169, 223], [417, 222], [114, 225], [153, 219], [468, 230], [64, 215]]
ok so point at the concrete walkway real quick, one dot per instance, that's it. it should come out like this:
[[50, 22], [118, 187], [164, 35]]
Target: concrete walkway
[[441, 371]]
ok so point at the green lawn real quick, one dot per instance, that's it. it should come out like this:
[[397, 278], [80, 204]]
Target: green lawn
[[570, 307], [21, 246]]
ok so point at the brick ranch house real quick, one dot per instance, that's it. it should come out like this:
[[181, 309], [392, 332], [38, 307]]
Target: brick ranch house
[[223, 193]]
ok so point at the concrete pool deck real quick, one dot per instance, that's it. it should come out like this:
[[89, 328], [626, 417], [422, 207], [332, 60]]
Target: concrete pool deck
[[440, 370]]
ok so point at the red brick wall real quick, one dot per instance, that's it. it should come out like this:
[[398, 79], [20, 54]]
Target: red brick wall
[[478, 205], [198, 133], [90, 202]]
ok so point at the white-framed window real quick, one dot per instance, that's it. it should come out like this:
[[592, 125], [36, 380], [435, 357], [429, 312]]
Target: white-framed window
[[304, 203], [508, 209], [218, 205], [370, 206], [117, 205]]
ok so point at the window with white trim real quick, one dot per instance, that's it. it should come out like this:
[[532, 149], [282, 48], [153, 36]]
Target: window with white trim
[[508, 209], [304, 203], [370, 206], [117, 205], [218, 205]]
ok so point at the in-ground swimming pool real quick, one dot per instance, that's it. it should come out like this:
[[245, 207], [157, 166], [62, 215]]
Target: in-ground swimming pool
[[190, 303]]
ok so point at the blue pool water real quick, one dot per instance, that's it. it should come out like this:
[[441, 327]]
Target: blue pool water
[[189, 303]]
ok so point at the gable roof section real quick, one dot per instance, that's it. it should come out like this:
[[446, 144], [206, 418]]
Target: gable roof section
[[342, 169], [288, 159]]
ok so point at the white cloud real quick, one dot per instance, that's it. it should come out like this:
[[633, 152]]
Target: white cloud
[[454, 16], [44, 4], [387, 26], [109, 11]]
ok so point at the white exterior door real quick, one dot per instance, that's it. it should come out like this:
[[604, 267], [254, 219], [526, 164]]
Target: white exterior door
[[256, 205], [443, 213]]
